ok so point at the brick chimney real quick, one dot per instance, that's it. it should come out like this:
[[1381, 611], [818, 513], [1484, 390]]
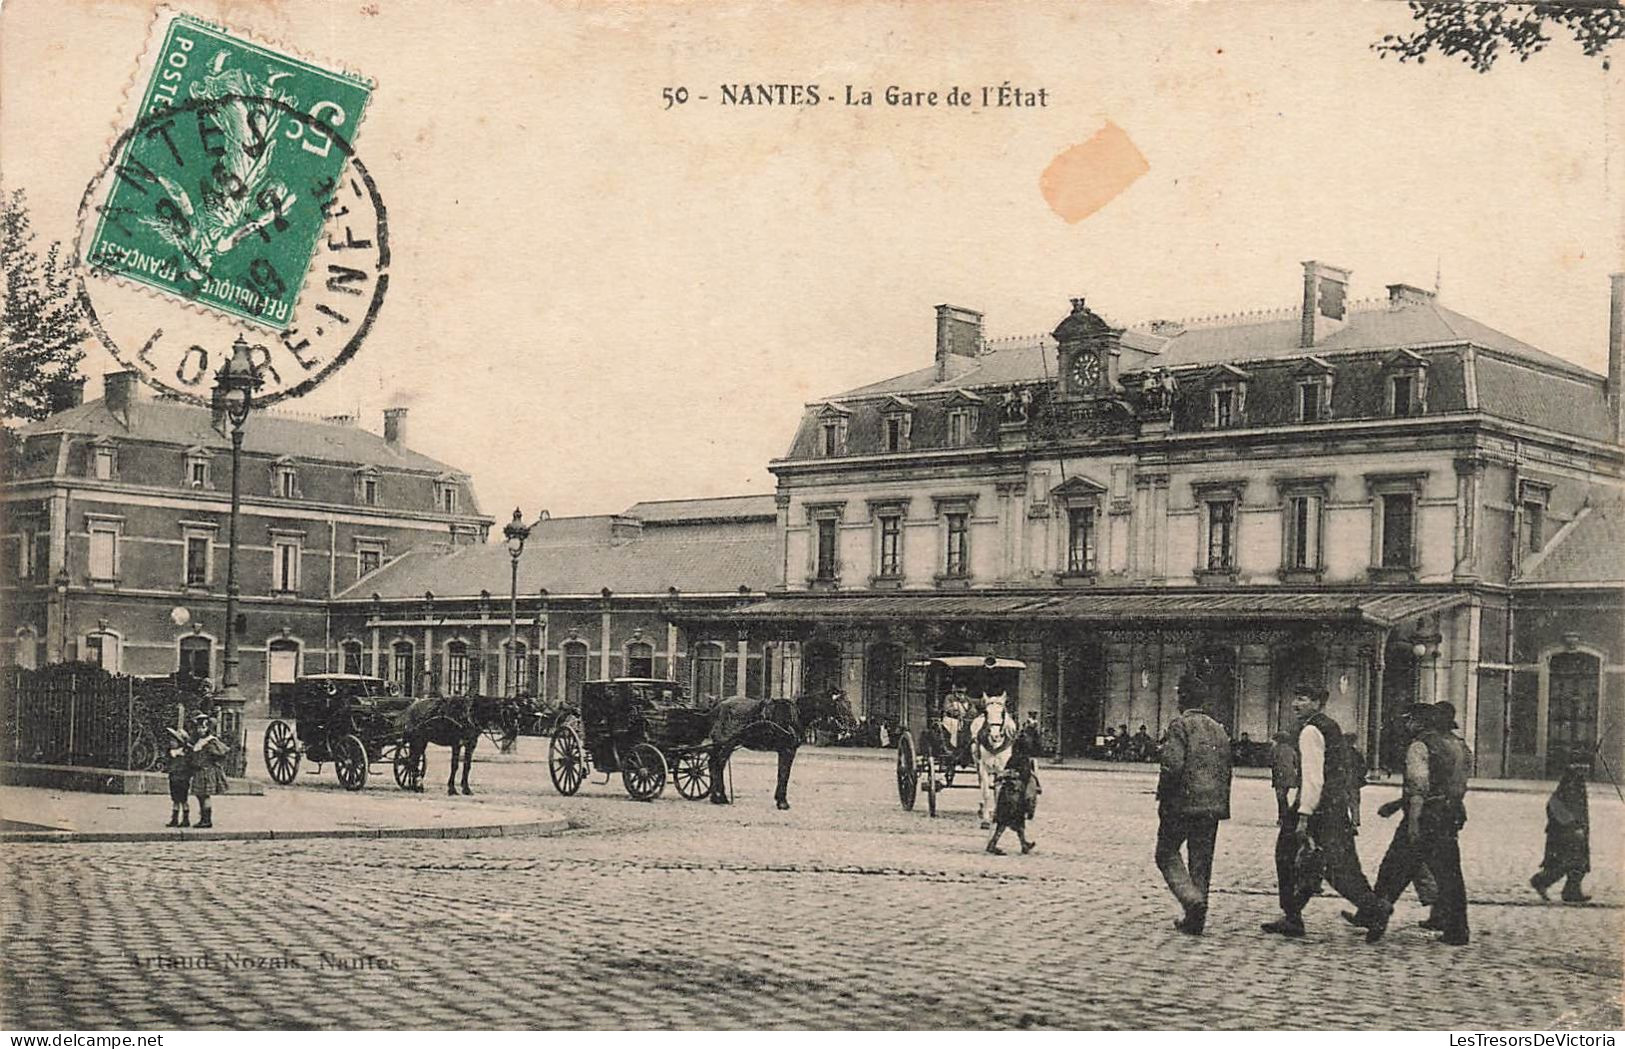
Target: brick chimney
[[395, 427], [1616, 353], [1325, 302], [959, 334], [120, 392], [76, 392]]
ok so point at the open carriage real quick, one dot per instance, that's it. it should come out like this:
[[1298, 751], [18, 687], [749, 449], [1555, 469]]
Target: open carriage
[[643, 728], [932, 749], [350, 720]]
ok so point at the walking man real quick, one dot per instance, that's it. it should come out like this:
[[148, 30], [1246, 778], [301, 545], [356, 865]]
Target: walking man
[[1284, 780], [1437, 764], [1323, 824], [1193, 795], [1401, 864]]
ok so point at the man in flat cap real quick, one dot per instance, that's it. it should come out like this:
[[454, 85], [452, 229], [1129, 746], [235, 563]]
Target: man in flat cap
[[1323, 825]]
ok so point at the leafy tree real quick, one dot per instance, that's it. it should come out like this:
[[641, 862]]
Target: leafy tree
[[1479, 33], [42, 329]]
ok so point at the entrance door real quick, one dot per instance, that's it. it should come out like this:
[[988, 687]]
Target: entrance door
[[1398, 693], [1083, 705], [1571, 710], [282, 669], [821, 668], [1215, 668], [883, 683], [196, 659]]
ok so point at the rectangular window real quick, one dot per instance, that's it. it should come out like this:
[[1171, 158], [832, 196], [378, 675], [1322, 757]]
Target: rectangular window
[[369, 491], [26, 546], [958, 561], [958, 429], [894, 434], [104, 464], [832, 439], [457, 672], [1397, 519], [1303, 532], [1309, 402], [1221, 535], [368, 560], [199, 473], [1224, 404], [448, 498], [1080, 543], [891, 545], [1404, 388], [197, 560], [352, 657], [826, 549], [287, 484], [1533, 527], [285, 570], [103, 553]]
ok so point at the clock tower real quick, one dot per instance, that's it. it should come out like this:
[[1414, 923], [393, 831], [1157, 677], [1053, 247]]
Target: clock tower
[[1088, 352]]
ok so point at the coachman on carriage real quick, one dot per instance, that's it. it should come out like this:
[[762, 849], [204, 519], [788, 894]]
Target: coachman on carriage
[[969, 722]]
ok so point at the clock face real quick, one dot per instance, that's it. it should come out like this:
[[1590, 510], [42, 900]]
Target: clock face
[[1085, 371]]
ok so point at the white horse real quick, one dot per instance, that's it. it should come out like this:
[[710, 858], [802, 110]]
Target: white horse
[[993, 732]]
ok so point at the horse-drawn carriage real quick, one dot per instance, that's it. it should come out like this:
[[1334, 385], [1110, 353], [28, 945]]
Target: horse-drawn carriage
[[957, 708], [350, 720], [643, 728]]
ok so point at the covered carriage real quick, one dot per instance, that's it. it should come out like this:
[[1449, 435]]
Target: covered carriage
[[936, 742], [645, 729], [351, 720]]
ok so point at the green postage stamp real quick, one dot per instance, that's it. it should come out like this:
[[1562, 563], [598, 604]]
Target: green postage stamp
[[218, 193]]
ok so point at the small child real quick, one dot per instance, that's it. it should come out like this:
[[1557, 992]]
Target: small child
[[208, 753], [1017, 800], [180, 777]]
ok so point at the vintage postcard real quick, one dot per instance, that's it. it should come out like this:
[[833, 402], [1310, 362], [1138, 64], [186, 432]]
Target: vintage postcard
[[814, 516]]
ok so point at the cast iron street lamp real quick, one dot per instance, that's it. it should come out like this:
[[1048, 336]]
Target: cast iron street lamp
[[234, 388], [516, 533]]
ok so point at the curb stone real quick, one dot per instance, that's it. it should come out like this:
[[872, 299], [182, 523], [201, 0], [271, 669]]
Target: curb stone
[[490, 830]]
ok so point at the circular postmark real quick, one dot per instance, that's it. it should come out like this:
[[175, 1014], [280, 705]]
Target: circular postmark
[[194, 236]]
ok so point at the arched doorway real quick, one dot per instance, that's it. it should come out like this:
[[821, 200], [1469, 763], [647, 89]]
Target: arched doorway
[[281, 671], [1214, 668], [821, 667], [883, 683], [1571, 709]]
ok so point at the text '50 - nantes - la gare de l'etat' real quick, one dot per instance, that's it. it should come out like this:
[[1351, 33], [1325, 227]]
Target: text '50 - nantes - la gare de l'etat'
[[1007, 95]]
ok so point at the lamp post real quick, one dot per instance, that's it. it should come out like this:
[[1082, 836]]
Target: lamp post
[[515, 533], [234, 388]]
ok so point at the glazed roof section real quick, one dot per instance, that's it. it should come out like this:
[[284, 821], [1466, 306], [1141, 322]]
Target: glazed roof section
[[720, 508], [266, 433], [1590, 550], [705, 558]]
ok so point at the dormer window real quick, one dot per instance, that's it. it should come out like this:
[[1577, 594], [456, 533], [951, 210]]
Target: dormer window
[[897, 415], [831, 433], [1313, 400], [1227, 397], [831, 444], [446, 497], [1311, 408], [287, 482], [366, 486], [1406, 373], [196, 473], [964, 418], [104, 461]]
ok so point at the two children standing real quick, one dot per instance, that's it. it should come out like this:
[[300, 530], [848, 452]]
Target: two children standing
[[195, 760]]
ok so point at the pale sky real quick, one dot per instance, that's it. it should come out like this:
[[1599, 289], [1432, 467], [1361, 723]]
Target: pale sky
[[596, 301]]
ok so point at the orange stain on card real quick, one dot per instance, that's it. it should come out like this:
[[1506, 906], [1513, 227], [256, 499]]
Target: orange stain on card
[[1085, 178]]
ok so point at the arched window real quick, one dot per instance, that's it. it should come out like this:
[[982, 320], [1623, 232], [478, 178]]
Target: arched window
[[353, 660], [517, 680], [575, 671], [640, 659], [196, 658], [404, 670], [103, 649], [457, 668], [707, 672]]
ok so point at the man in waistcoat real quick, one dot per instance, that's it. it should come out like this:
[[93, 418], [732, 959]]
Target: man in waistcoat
[[1322, 825], [1193, 795]]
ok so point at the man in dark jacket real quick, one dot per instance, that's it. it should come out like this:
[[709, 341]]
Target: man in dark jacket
[[1323, 827], [1193, 795]]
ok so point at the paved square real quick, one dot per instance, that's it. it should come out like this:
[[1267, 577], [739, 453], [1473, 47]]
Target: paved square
[[844, 912]]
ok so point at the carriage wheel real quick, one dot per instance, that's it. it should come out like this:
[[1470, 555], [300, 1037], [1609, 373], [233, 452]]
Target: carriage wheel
[[281, 752], [908, 781], [692, 774], [143, 750], [643, 770], [350, 762], [566, 761], [405, 775]]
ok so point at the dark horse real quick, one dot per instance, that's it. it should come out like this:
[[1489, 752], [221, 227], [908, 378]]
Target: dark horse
[[769, 724], [456, 722]]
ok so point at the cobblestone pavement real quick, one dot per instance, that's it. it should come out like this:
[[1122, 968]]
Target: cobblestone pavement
[[845, 912]]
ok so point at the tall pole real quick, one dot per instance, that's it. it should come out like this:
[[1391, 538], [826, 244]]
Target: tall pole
[[229, 687], [513, 624]]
